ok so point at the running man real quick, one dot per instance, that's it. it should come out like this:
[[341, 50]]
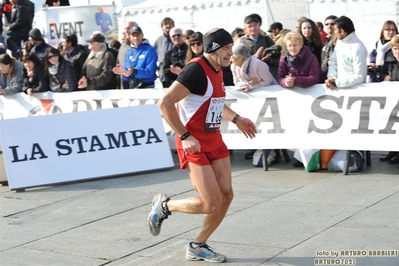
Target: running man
[[199, 93]]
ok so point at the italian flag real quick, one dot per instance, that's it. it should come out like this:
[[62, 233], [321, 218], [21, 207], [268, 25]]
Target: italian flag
[[310, 159]]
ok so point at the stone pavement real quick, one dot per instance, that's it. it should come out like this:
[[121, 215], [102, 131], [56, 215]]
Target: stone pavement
[[284, 216]]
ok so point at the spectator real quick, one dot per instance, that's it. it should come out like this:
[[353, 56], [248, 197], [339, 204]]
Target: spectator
[[18, 27], [390, 72], [50, 3], [323, 34], [74, 53], [278, 33], [309, 31], [39, 46], [249, 72], [11, 76], [115, 44], [141, 62], [383, 46], [174, 59], [186, 36], [59, 72], [34, 78], [125, 47], [26, 47], [163, 44], [329, 26], [348, 65], [97, 69], [237, 33], [298, 67], [257, 42], [328, 49], [196, 46]]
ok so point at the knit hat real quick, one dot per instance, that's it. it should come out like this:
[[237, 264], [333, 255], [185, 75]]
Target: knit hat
[[216, 40], [36, 34]]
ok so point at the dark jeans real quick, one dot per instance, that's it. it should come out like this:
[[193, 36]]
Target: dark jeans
[[13, 41]]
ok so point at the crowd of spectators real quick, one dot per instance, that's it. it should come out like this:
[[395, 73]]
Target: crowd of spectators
[[329, 53]]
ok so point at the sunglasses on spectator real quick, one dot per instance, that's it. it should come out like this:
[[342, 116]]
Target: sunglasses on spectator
[[328, 24], [196, 43], [52, 56], [390, 30], [176, 36]]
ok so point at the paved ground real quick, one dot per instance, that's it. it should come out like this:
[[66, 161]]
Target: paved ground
[[284, 216]]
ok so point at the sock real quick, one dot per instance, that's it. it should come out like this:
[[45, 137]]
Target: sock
[[196, 244]]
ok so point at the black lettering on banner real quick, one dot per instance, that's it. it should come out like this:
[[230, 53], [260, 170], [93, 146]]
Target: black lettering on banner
[[275, 118], [393, 118], [16, 159], [364, 114], [112, 140], [56, 32], [36, 149], [137, 134], [59, 145], [95, 141], [80, 144], [326, 114], [152, 135]]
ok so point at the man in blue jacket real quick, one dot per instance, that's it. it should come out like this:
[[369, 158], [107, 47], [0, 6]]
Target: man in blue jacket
[[141, 62]]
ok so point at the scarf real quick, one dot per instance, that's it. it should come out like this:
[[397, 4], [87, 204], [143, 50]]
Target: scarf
[[381, 50], [53, 69], [292, 60]]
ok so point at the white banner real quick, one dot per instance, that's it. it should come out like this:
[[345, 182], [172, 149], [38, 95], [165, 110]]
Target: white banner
[[77, 146], [364, 117], [83, 20]]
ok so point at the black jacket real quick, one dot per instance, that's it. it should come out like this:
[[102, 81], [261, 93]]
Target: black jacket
[[20, 22], [38, 82], [64, 75], [40, 50], [390, 67], [77, 57], [173, 57]]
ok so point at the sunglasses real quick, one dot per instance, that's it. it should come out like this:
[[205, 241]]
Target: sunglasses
[[328, 24], [52, 56], [196, 43], [176, 36]]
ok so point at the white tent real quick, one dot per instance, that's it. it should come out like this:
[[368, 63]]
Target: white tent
[[367, 15]]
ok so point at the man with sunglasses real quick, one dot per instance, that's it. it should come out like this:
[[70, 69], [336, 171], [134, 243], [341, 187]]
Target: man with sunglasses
[[174, 59], [329, 26]]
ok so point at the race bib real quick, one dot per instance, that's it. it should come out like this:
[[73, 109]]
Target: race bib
[[214, 115]]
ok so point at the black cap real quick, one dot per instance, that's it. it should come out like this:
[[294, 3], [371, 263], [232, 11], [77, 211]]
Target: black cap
[[275, 25], [35, 34], [253, 17], [135, 29], [96, 37]]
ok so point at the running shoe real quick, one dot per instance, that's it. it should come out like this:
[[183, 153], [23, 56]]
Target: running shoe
[[157, 214], [203, 252]]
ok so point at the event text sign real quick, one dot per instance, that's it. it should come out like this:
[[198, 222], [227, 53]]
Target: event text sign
[[76, 146], [363, 117]]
